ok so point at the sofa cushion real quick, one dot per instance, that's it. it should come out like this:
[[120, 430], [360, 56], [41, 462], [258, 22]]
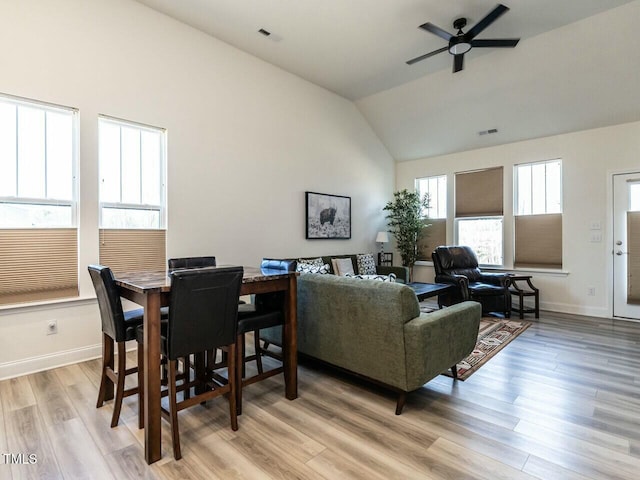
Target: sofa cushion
[[366, 264], [342, 266]]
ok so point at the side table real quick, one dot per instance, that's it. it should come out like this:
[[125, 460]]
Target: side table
[[385, 258], [528, 291]]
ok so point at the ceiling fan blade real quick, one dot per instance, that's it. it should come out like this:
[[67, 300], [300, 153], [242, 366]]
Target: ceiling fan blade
[[426, 55], [486, 21], [458, 60], [430, 27], [502, 42]]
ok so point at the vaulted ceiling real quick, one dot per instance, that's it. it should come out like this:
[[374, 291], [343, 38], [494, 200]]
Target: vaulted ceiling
[[576, 67]]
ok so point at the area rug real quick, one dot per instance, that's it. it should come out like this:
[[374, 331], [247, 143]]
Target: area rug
[[494, 334]]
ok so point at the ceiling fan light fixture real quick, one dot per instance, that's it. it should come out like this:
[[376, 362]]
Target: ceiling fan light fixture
[[459, 48]]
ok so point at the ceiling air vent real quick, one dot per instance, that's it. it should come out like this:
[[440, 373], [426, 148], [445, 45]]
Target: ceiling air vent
[[488, 132], [264, 32]]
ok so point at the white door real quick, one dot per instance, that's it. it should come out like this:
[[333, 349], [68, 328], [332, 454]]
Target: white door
[[626, 258]]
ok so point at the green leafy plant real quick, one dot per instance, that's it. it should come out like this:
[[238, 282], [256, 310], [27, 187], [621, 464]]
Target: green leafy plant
[[407, 219]]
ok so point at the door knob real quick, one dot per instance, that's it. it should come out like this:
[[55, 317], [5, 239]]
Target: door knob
[[619, 242], [620, 252]]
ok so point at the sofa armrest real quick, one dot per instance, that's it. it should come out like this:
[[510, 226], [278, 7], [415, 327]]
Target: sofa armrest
[[401, 273], [498, 279], [436, 341]]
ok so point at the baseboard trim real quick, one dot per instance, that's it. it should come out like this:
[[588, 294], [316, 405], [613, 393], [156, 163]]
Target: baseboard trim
[[46, 362], [575, 309]]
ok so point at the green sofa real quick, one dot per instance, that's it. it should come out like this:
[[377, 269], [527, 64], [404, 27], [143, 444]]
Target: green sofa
[[376, 330]]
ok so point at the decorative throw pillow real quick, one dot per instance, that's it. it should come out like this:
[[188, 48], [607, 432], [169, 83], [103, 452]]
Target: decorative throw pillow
[[342, 266], [312, 261], [366, 264], [310, 268], [391, 278]]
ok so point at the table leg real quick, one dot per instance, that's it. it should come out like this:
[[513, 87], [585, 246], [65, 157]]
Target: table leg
[[290, 341], [152, 432]]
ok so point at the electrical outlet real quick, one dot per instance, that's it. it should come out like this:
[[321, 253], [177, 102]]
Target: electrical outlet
[[52, 327], [591, 291]]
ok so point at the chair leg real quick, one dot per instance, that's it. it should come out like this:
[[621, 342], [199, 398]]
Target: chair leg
[[173, 410], [402, 398], [187, 376], [242, 350], [140, 385], [239, 364], [120, 375], [258, 350], [106, 386], [454, 371], [233, 384]]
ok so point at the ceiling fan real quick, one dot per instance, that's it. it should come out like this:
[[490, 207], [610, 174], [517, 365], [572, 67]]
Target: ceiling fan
[[461, 43]]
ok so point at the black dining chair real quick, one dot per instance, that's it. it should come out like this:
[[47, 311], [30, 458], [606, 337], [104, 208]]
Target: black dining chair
[[191, 262], [266, 311], [117, 326], [203, 315]]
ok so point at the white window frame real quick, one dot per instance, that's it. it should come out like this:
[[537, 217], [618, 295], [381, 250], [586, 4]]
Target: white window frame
[[73, 203], [162, 207], [516, 189], [457, 221], [418, 182]]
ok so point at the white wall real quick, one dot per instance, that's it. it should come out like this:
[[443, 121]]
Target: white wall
[[245, 141], [589, 158]]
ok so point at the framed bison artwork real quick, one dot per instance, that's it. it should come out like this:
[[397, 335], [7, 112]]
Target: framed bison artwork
[[328, 216]]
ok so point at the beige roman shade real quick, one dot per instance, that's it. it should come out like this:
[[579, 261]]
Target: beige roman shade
[[538, 241], [38, 264], [633, 257], [433, 237], [128, 250], [479, 193]]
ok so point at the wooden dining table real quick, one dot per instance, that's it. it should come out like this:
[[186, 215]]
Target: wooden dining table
[[152, 290]]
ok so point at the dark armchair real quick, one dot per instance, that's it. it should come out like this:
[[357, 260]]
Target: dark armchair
[[458, 265]]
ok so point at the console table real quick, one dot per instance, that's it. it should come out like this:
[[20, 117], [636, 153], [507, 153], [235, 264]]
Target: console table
[[522, 291]]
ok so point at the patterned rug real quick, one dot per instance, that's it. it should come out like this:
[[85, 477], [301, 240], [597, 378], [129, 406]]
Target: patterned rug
[[493, 336]]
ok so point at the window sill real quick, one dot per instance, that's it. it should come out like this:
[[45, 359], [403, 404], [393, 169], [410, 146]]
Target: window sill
[[524, 271], [45, 305]]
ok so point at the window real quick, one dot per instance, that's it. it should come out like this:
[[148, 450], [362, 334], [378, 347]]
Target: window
[[132, 196], [484, 236], [132, 166], [634, 197], [479, 213], [37, 164], [436, 233], [538, 214], [436, 188], [538, 188], [37, 201]]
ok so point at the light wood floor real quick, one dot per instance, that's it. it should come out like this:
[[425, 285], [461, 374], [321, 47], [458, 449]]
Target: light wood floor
[[560, 402]]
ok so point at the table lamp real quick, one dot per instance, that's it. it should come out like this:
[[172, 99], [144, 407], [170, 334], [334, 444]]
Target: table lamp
[[382, 238]]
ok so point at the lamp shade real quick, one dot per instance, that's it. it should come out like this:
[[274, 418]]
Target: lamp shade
[[382, 237]]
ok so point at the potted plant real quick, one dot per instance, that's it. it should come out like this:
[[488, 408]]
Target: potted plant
[[407, 218]]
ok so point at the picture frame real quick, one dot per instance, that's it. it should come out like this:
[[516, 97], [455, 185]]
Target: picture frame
[[328, 216]]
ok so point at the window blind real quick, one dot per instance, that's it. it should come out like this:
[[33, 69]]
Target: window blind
[[38, 264], [436, 235], [538, 241], [633, 257], [129, 250], [479, 193]]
